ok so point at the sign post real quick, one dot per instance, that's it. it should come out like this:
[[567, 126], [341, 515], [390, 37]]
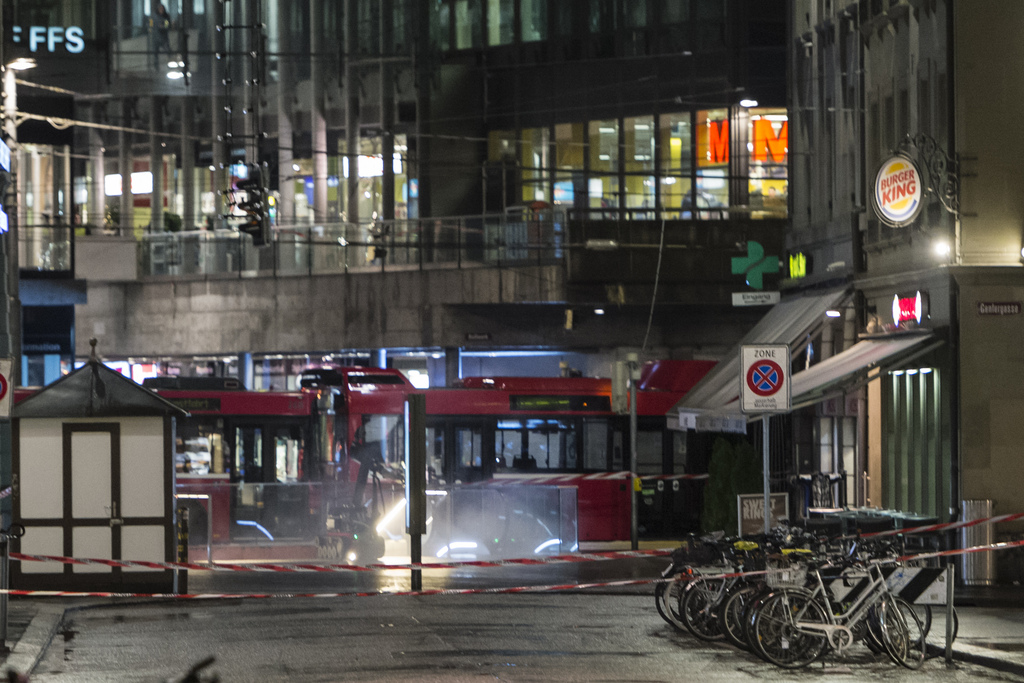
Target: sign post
[[765, 389]]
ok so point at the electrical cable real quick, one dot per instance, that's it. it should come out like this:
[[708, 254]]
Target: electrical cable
[[654, 294]]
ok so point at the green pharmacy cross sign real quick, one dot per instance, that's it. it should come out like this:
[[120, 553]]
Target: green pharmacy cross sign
[[755, 265]]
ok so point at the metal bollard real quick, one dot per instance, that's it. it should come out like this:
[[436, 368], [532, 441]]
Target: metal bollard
[[5, 565], [181, 575]]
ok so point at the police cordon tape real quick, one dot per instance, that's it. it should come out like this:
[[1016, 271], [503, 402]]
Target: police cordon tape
[[457, 591], [552, 559], [946, 526], [6, 492], [305, 567]]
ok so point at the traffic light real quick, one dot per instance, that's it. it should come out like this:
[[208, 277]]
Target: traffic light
[[256, 222]]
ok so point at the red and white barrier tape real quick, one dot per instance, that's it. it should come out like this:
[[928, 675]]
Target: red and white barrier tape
[[542, 479], [460, 591], [6, 492], [942, 527], [271, 567]]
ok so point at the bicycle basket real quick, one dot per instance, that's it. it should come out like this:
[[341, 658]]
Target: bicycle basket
[[785, 577]]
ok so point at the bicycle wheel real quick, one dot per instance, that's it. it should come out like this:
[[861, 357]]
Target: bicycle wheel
[[666, 598], [732, 612], [699, 608], [777, 633], [933, 621], [911, 652]]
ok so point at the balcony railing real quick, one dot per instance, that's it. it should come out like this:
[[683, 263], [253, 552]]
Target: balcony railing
[[345, 247]]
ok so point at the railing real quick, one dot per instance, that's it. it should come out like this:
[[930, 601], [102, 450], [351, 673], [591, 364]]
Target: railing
[[344, 247]]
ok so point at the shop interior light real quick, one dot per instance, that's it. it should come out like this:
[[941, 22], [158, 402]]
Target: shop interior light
[[925, 371], [896, 373], [832, 313], [912, 371], [748, 103], [22, 63], [941, 248], [598, 311]]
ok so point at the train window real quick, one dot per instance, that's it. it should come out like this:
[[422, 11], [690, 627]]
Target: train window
[[435, 456], [287, 451], [385, 434], [678, 452], [648, 453], [595, 445], [364, 380]]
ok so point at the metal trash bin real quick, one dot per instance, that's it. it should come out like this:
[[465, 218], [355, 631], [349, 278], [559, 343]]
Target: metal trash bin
[[977, 569]]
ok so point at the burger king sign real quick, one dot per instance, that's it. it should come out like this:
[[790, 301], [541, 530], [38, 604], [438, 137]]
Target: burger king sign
[[898, 191]]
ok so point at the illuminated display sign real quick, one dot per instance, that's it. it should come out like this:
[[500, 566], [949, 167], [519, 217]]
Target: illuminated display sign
[[771, 140], [799, 265], [909, 309], [563, 403], [50, 38], [898, 190]]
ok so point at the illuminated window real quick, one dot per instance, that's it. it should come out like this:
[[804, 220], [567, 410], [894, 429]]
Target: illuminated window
[[676, 167], [535, 164], [534, 18], [603, 184], [639, 161], [569, 147], [468, 25], [500, 19], [710, 198], [768, 148]]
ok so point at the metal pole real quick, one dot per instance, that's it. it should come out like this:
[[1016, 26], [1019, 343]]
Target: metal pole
[[5, 566], [950, 611], [634, 372], [764, 465]]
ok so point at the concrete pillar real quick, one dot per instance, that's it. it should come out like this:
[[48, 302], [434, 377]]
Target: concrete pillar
[[188, 164], [67, 209], [318, 121], [452, 365], [351, 114], [96, 211], [124, 167], [285, 124], [156, 164]]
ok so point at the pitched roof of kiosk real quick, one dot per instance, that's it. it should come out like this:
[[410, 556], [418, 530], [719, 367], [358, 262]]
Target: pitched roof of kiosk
[[94, 390]]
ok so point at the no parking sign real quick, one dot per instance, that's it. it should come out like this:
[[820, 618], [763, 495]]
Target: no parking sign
[[764, 379]]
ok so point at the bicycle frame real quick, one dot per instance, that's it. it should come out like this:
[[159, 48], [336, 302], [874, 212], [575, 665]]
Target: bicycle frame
[[839, 629]]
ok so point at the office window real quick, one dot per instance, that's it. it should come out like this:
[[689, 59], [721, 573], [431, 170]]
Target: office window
[[440, 26], [535, 163], [711, 196], [635, 13], [500, 22], [768, 183], [639, 161], [534, 17], [675, 11], [569, 148], [676, 167], [603, 184], [468, 24]]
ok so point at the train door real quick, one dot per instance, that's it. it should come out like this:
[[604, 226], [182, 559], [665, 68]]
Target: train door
[[472, 450]]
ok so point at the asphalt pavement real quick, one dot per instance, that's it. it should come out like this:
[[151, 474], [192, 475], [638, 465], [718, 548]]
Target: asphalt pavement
[[991, 628]]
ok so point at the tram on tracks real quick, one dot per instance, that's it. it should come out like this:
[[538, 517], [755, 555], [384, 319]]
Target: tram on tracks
[[290, 469]]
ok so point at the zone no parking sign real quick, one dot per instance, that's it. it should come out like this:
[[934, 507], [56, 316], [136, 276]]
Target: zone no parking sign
[[764, 379]]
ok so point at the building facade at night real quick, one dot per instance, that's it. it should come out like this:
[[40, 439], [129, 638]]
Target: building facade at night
[[903, 189], [502, 185]]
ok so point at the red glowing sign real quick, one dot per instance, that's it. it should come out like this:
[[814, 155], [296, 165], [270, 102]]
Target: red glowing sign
[[908, 309]]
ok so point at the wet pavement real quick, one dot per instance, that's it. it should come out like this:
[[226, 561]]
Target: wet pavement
[[608, 633], [612, 634]]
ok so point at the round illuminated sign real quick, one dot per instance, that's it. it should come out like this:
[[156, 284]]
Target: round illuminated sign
[[908, 309], [898, 190]]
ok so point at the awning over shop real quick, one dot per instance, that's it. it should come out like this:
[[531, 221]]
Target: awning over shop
[[843, 372], [791, 322], [861, 362]]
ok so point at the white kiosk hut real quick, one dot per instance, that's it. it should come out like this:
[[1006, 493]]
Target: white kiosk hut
[[94, 466]]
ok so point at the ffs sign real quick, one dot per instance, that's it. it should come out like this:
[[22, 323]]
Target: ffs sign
[[47, 38]]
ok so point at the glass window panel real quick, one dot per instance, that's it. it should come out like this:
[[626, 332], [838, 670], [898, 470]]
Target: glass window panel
[[534, 17], [535, 164], [468, 24], [675, 11], [569, 147], [501, 145], [440, 26], [639, 162], [768, 183], [604, 146], [602, 16], [636, 13], [648, 453], [500, 21], [595, 445], [711, 196], [676, 166]]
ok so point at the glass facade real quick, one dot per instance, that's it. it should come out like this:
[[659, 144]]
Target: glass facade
[[665, 165]]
